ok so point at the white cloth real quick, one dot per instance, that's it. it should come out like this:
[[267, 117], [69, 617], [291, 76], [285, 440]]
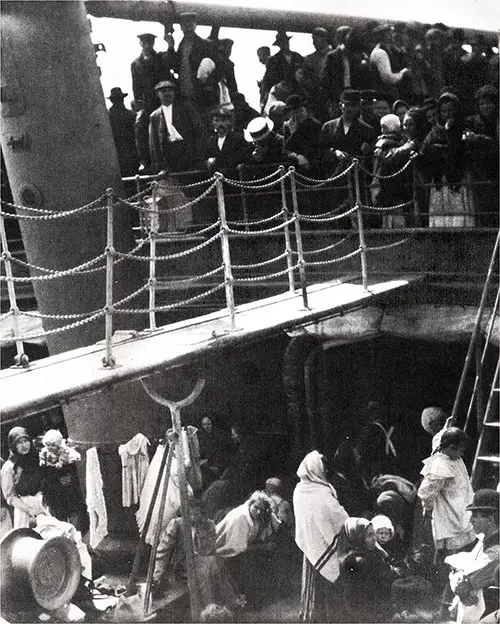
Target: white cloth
[[319, 517], [237, 531], [220, 142], [446, 490], [379, 60], [172, 501], [96, 503], [173, 134], [34, 503], [135, 464], [451, 208], [205, 69]]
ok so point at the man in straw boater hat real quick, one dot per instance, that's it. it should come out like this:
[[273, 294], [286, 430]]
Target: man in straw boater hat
[[147, 70], [267, 144], [282, 65], [226, 149], [122, 122], [175, 132], [474, 571]]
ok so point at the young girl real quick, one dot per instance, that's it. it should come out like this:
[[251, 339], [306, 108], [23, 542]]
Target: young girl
[[387, 539], [446, 491], [21, 479]]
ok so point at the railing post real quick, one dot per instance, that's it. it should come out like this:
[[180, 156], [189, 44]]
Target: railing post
[[226, 256], [243, 193], [361, 232], [108, 360], [288, 244], [21, 358], [153, 231], [298, 237], [416, 207]]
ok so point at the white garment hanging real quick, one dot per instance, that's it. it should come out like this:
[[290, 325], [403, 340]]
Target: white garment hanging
[[96, 504], [135, 464]]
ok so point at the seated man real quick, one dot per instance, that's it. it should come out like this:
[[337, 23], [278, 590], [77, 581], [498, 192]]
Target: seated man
[[225, 148], [175, 132], [215, 583], [474, 571]]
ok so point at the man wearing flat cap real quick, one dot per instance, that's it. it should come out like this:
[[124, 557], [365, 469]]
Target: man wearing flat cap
[[175, 132], [347, 136], [147, 70], [198, 66], [225, 148], [122, 122], [282, 65], [474, 571], [301, 133]]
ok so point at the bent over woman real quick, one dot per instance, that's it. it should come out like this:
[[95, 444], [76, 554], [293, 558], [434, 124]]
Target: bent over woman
[[319, 518]]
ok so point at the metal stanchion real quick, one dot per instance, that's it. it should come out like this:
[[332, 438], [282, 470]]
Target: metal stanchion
[[243, 194], [361, 232], [108, 360], [298, 238], [416, 207], [288, 244], [226, 256], [21, 359], [153, 231]]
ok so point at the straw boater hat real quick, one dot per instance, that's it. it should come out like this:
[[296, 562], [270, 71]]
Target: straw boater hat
[[258, 129]]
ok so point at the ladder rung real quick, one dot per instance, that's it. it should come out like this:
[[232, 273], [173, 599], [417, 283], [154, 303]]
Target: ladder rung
[[492, 459], [494, 423], [495, 389]]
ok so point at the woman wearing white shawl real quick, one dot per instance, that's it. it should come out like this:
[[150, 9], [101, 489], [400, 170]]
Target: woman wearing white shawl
[[319, 517]]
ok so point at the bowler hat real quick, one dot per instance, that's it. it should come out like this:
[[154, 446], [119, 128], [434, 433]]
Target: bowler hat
[[280, 37], [258, 129], [116, 94], [486, 499], [165, 84], [146, 36], [294, 101], [350, 96]]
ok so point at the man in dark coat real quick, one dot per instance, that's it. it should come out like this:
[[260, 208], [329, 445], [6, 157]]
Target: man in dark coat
[[225, 49], [347, 136], [281, 66], [198, 66], [122, 122], [225, 148], [267, 144], [175, 132], [148, 69], [301, 133]]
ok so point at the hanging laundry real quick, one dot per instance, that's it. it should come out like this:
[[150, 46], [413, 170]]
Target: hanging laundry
[[96, 504], [135, 463]]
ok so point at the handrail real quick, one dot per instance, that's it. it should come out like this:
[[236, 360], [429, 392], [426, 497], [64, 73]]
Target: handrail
[[476, 331]]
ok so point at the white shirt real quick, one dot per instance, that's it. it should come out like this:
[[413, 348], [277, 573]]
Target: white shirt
[[173, 135], [220, 141]]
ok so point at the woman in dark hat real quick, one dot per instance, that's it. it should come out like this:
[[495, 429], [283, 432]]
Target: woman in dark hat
[[21, 479]]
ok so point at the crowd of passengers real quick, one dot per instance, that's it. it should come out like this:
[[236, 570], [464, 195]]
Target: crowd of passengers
[[382, 94], [373, 546]]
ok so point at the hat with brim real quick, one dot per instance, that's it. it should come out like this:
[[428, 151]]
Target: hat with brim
[[486, 499], [165, 84], [293, 102], [146, 36], [281, 36], [116, 94], [37, 571], [350, 96], [258, 129]]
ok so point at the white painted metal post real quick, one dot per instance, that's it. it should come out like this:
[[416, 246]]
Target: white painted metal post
[[226, 255], [108, 360], [153, 231], [288, 244], [298, 238], [361, 232], [21, 358]]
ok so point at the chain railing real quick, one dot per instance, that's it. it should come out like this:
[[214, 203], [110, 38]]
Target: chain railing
[[215, 188]]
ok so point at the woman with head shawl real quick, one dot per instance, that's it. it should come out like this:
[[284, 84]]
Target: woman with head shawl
[[319, 518], [21, 479], [366, 576]]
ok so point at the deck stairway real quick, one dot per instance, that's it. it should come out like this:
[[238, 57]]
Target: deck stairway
[[485, 393]]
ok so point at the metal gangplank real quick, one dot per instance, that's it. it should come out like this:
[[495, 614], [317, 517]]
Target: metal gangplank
[[50, 381]]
